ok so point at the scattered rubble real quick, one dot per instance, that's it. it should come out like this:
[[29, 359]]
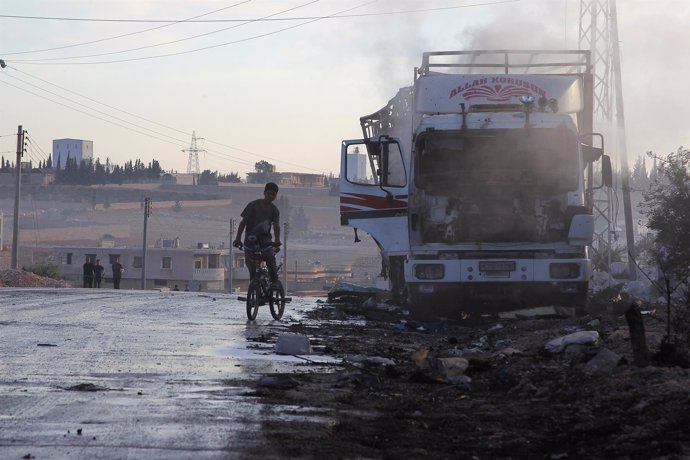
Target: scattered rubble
[[21, 278], [481, 388]]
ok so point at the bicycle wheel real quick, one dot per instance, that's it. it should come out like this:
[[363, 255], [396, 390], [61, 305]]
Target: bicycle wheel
[[253, 299], [276, 300]]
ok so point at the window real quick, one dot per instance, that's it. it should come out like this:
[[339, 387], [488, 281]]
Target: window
[[375, 163], [160, 283], [91, 257], [68, 258], [112, 258], [137, 262], [166, 263]]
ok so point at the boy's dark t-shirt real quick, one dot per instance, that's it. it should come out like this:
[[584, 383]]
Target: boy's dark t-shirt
[[260, 220]]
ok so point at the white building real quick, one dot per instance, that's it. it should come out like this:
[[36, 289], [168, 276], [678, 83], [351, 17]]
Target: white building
[[78, 149], [357, 167]]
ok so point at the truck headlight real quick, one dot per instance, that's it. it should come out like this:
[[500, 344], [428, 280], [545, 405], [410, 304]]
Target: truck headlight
[[429, 271], [565, 271]]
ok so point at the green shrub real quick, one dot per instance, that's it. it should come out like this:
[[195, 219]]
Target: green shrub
[[47, 270]]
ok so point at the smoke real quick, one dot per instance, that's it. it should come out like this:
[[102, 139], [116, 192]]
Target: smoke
[[535, 25]]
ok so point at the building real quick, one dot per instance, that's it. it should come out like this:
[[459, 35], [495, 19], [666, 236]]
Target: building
[[202, 268], [78, 149], [357, 167], [30, 176], [287, 178]]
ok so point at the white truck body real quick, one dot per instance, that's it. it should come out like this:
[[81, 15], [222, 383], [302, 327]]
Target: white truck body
[[477, 186]]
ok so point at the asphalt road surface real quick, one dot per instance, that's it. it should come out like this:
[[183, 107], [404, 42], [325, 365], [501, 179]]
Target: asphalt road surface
[[99, 373]]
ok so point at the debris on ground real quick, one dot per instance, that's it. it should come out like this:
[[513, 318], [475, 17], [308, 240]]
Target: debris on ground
[[21, 278], [292, 344], [481, 388], [350, 292]]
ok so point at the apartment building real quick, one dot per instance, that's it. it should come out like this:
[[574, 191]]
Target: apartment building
[[201, 268], [77, 149]]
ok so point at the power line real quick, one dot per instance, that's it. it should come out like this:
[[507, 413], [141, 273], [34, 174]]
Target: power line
[[158, 44], [174, 141], [234, 42], [422, 10], [128, 34], [218, 154]]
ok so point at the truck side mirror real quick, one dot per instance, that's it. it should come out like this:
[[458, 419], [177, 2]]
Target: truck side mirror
[[606, 172], [590, 153]]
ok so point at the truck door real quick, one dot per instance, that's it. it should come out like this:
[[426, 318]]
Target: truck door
[[373, 191]]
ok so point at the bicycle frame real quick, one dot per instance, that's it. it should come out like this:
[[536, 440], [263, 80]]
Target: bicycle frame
[[260, 290]]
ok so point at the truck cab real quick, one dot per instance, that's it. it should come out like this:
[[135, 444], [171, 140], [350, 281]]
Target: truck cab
[[498, 166]]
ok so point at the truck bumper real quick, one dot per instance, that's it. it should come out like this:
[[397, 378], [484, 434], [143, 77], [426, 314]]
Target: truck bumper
[[498, 284]]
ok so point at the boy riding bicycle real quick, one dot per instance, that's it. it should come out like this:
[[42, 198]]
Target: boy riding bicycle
[[258, 217]]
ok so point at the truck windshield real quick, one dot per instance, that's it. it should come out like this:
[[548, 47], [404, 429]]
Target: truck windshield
[[540, 159], [499, 185]]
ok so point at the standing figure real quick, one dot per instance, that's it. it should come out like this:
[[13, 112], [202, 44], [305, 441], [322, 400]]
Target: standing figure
[[117, 273], [88, 273], [98, 273], [258, 217]]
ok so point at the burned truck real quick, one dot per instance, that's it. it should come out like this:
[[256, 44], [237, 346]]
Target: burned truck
[[476, 182]]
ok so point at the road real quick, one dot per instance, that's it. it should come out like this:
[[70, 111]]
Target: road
[[133, 374]]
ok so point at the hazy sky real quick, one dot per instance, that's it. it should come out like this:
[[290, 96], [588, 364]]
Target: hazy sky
[[289, 87]]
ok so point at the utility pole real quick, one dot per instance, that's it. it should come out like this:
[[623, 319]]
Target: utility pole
[[15, 233], [231, 258], [286, 227], [147, 213], [622, 147]]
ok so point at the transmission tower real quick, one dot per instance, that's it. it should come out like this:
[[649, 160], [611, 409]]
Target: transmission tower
[[193, 162], [598, 32]]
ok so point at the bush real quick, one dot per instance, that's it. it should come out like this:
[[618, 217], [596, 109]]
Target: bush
[[47, 270]]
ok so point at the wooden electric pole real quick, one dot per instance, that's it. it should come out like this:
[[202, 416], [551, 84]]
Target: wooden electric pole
[[147, 213], [15, 233], [231, 257]]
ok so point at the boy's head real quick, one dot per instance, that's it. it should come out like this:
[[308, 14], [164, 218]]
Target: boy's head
[[270, 192]]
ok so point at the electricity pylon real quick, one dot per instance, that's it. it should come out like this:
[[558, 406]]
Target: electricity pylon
[[193, 162], [598, 32]]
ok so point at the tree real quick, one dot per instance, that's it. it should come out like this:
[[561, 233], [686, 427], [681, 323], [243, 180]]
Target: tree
[[639, 178], [283, 205], [668, 214], [299, 223], [208, 178], [264, 167], [106, 201], [232, 178]]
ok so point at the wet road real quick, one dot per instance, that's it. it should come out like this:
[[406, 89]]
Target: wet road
[[159, 362]]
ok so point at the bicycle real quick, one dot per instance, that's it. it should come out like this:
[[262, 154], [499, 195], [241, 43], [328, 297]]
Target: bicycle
[[261, 290]]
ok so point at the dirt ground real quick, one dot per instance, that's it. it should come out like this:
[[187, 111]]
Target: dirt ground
[[400, 396]]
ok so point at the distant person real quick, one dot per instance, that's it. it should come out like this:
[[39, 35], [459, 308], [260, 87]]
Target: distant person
[[176, 288], [88, 273], [258, 217], [186, 287], [117, 273], [98, 273]]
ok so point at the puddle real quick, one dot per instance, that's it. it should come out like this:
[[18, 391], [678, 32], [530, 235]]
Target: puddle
[[252, 351]]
